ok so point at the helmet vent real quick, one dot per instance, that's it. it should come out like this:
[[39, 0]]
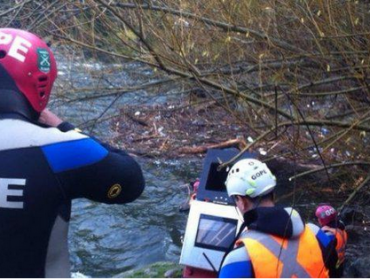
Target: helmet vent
[[42, 85], [43, 79], [2, 54]]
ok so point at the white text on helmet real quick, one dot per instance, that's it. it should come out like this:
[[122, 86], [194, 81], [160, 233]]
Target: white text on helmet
[[329, 212], [258, 174], [19, 47]]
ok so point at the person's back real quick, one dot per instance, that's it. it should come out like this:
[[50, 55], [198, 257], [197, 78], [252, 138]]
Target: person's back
[[43, 168], [277, 244], [274, 241], [331, 224]]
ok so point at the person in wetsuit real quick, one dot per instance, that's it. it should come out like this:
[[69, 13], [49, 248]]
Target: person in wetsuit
[[45, 163]]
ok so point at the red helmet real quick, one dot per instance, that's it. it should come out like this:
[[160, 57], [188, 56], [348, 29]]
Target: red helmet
[[326, 214], [30, 63]]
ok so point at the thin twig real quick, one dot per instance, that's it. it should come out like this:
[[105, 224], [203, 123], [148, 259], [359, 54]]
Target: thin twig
[[353, 194], [336, 165]]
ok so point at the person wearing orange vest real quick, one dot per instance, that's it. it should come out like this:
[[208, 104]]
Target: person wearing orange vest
[[273, 242], [328, 219]]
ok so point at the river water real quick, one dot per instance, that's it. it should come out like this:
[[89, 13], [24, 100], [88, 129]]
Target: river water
[[106, 240]]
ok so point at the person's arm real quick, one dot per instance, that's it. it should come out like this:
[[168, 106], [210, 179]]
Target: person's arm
[[89, 169], [327, 244], [237, 264], [329, 233]]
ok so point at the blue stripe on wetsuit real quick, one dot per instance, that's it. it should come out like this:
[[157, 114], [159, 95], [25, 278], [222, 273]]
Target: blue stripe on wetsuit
[[74, 154], [237, 270], [323, 238]]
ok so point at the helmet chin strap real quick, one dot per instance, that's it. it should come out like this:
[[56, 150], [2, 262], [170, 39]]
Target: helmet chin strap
[[239, 213]]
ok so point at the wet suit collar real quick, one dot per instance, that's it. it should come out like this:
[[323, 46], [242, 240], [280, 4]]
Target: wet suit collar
[[274, 220]]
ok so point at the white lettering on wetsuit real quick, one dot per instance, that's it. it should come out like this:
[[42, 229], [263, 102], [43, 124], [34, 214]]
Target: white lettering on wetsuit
[[19, 47], [5, 192]]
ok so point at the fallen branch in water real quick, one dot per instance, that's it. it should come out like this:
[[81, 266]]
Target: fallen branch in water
[[146, 138], [240, 142], [135, 119]]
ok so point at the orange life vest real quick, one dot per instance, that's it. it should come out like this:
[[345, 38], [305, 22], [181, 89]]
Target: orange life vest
[[275, 257], [341, 236]]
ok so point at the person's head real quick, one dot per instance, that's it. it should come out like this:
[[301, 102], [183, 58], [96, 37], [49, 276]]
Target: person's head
[[27, 73], [251, 184], [325, 214]]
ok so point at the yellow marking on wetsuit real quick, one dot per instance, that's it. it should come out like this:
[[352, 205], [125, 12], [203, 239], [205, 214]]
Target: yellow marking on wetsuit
[[114, 191]]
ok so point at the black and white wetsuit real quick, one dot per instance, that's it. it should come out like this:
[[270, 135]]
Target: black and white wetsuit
[[41, 171]]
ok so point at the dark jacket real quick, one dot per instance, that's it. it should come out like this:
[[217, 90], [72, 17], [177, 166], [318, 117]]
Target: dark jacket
[[41, 171]]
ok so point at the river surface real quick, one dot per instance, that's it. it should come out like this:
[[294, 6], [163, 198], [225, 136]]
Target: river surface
[[106, 240]]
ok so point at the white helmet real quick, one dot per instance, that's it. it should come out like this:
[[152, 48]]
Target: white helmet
[[250, 177]]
